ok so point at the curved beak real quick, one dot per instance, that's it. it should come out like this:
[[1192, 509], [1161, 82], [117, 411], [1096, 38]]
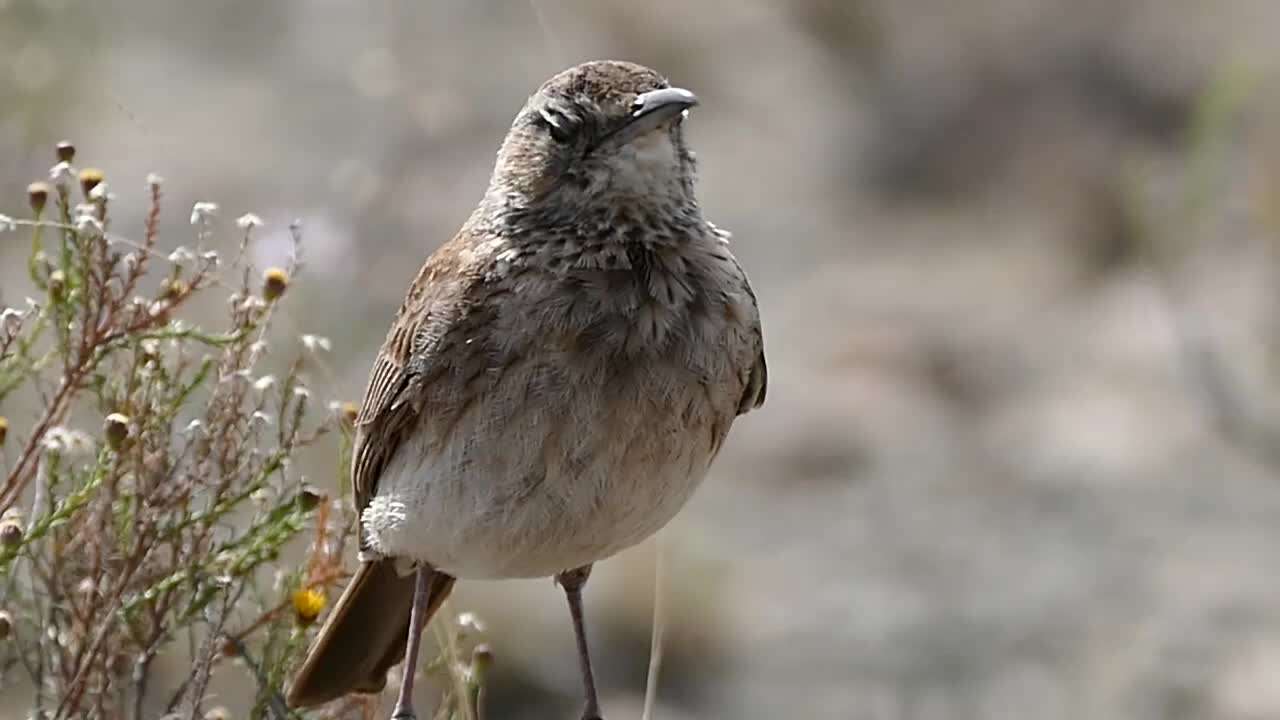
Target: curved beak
[[652, 110]]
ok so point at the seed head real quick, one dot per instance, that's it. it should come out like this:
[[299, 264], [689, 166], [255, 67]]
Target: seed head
[[89, 179], [217, 713], [116, 430], [307, 605], [6, 624], [4, 428], [274, 282], [37, 196], [66, 151]]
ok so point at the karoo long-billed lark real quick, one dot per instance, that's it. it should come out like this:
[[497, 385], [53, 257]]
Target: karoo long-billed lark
[[557, 381]]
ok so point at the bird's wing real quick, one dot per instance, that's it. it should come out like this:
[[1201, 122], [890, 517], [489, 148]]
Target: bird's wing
[[757, 380], [758, 377], [411, 357]]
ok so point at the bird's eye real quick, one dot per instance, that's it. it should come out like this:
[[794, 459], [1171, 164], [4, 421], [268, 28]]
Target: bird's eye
[[561, 126]]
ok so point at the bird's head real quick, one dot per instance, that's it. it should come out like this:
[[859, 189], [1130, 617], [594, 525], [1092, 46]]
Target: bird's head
[[600, 132]]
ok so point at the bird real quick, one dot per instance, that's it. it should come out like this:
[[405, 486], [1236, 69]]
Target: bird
[[556, 383]]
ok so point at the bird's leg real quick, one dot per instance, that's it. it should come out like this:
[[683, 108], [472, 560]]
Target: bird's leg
[[572, 582], [417, 619]]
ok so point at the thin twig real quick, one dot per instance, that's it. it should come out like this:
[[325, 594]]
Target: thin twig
[[659, 621]]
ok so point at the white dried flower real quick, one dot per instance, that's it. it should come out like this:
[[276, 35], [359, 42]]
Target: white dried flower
[[100, 192], [301, 392], [253, 302], [210, 256], [7, 224], [62, 175], [264, 382], [248, 221], [11, 321], [154, 181], [469, 621], [261, 417], [202, 213], [181, 255], [316, 342], [86, 220], [258, 347], [67, 442], [194, 426], [89, 223]]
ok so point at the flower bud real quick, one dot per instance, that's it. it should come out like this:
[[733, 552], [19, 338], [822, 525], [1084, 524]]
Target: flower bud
[[350, 413], [11, 533], [57, 284], [174, 289], [309, 497], [481, 662], [274, 282], [116, 430], [66, 151], [37, 196], [89, 179]]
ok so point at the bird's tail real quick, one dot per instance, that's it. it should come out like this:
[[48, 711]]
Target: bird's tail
[[364, 635]]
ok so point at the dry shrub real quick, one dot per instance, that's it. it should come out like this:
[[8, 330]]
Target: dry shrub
[[147, 501]]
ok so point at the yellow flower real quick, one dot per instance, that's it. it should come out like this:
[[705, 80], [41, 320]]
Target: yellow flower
[[274, 283], [307, 604]]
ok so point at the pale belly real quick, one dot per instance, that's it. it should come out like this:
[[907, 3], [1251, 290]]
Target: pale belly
[[534, 482]]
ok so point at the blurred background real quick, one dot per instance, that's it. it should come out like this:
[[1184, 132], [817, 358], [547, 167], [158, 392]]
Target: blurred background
[[1019, 266]]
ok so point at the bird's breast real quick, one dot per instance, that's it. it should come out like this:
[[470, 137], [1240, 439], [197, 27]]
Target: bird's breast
[[608, 396]]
